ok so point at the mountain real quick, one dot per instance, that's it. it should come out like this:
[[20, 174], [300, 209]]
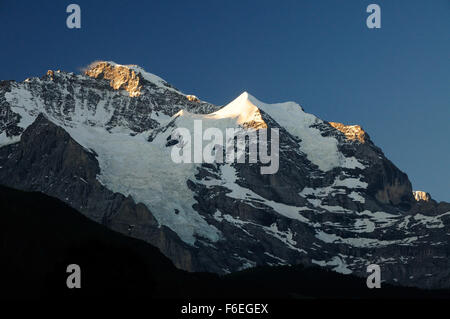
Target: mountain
[[102, 142], [41, 236]]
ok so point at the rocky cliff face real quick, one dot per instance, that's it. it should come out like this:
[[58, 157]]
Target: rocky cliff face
[[46, 153], [351, 132], [102, 142], [421, 195], [120, 77]]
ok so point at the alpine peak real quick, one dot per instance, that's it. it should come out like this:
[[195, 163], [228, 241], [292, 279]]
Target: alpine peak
[[128, 77], [243, 110], [121, 77]]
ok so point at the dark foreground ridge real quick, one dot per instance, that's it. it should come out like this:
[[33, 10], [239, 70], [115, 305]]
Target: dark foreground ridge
[[41, 235]]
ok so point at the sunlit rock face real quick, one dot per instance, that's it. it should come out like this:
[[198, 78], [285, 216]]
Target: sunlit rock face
[[421, 196], [120, 76], [100, 141], [352, 132], [192, 98]]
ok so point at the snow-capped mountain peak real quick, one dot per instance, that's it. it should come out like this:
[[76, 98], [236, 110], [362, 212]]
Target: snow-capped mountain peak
[[128, 77], [104, 147], [243, 111]]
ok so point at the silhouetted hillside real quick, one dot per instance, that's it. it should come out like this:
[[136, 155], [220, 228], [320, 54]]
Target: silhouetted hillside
[[40, 236]]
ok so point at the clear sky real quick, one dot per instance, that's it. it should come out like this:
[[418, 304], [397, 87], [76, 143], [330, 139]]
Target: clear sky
[[393, 81]]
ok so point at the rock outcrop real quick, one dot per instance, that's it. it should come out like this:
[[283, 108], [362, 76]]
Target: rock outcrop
[[120, 77], [352, 132], [420, 195]]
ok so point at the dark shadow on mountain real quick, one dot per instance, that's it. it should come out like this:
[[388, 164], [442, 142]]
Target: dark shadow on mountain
[[41, 236]]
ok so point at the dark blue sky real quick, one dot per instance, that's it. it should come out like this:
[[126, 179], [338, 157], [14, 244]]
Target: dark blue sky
[[393, 81]]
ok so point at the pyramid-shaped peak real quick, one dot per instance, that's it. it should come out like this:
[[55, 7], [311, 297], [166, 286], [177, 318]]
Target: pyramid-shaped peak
[[243, 110], [244, 96]]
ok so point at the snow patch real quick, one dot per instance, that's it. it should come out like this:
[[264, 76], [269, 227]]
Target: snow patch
[[22, 102], [362, 242], [339, 265], [229, 181], [357, 197], [428, 221], [363, 225], [5, 140], [286, 237]]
